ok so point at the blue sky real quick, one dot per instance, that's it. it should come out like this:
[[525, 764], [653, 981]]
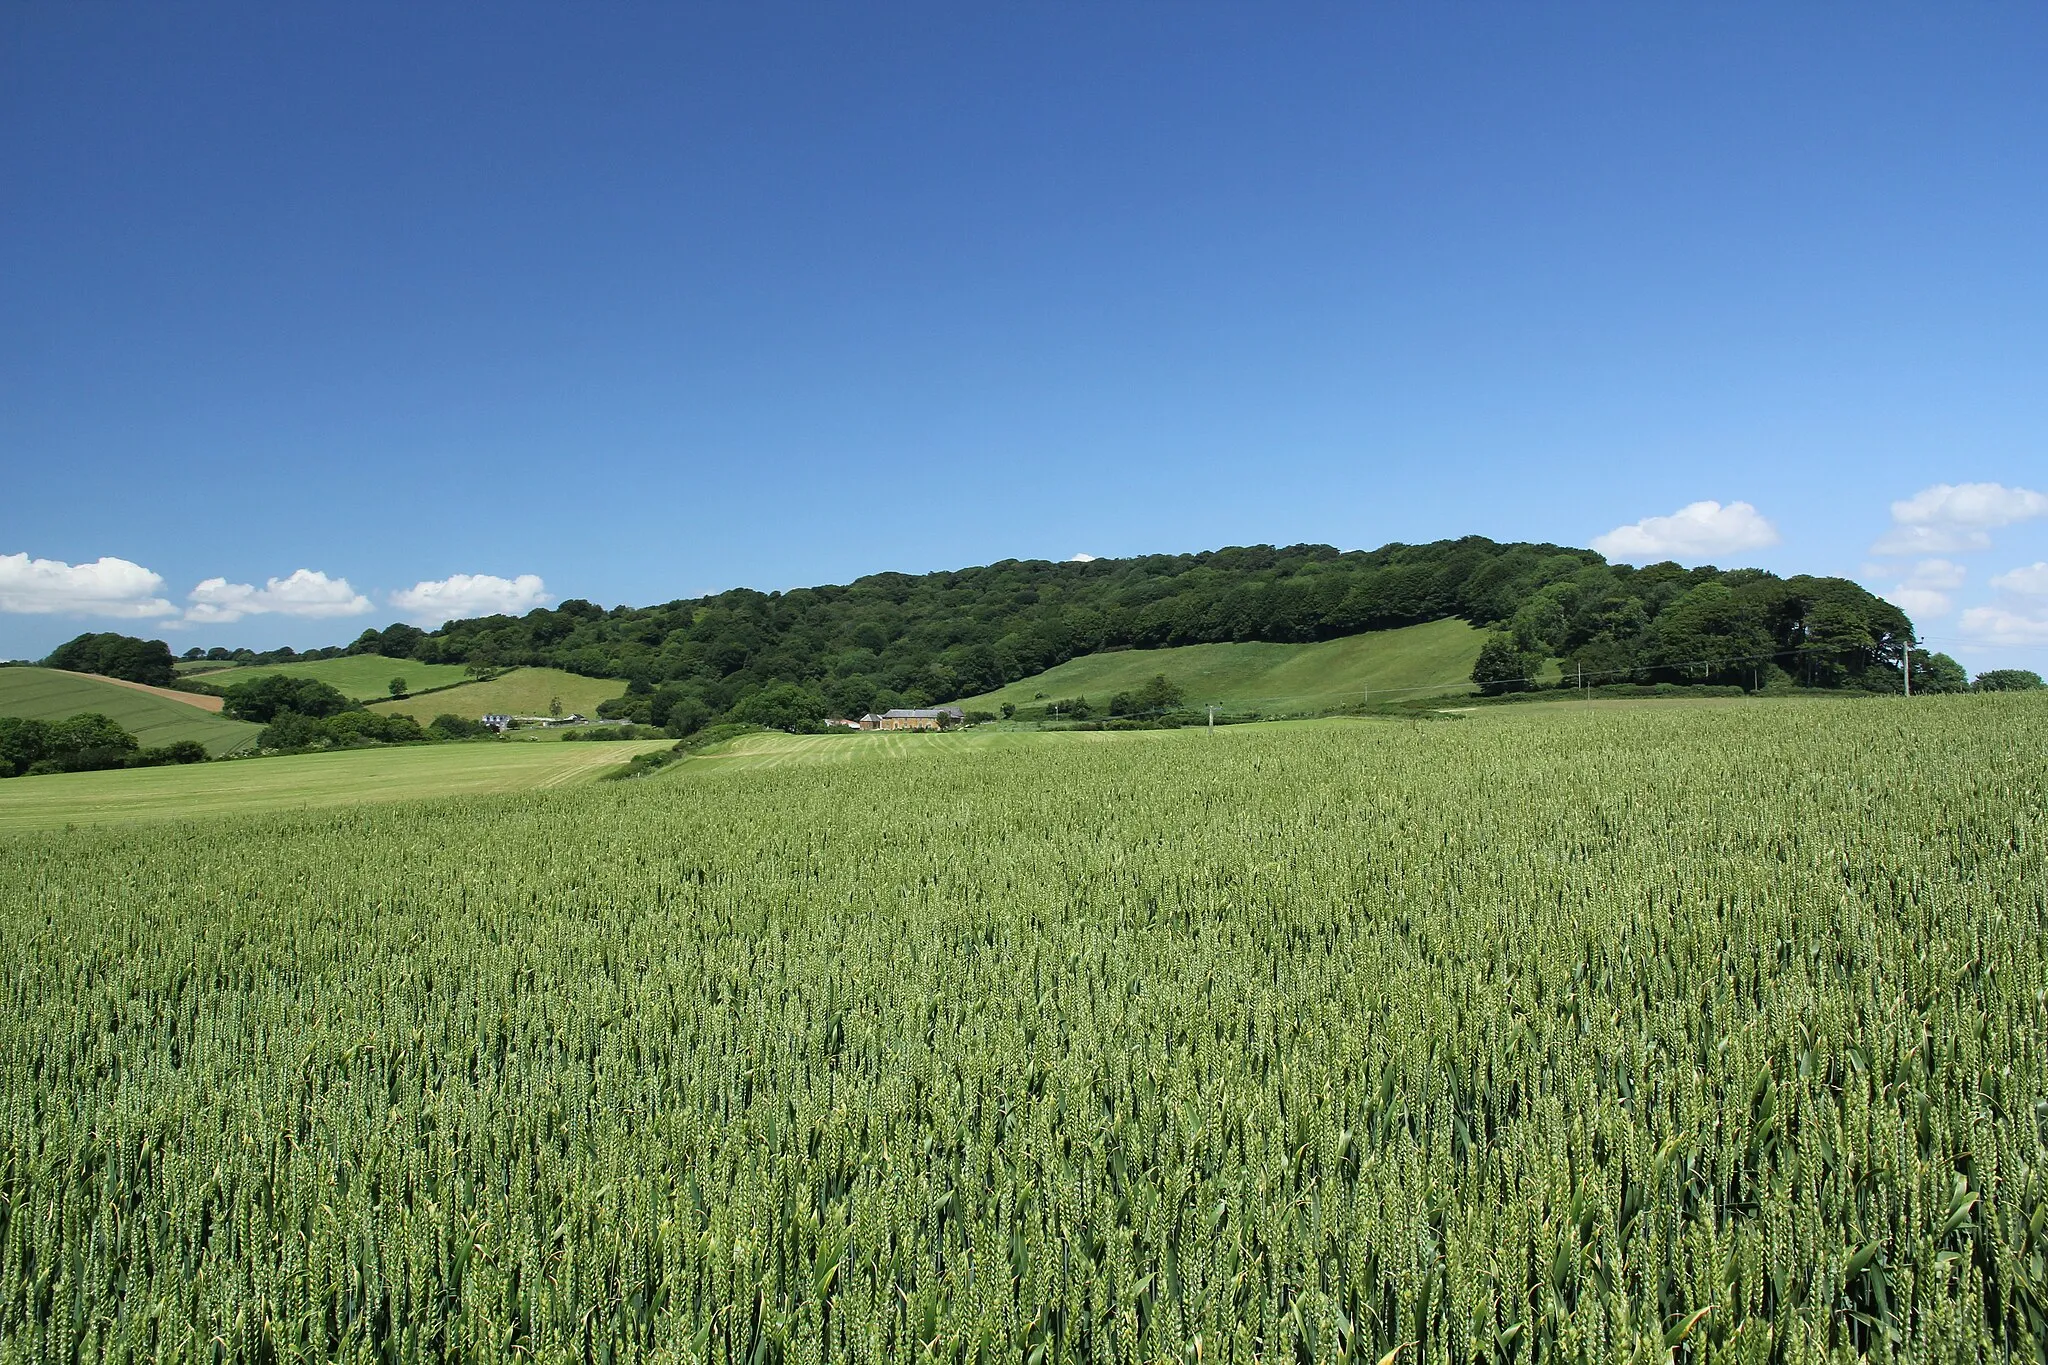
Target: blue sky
[[419, 309]]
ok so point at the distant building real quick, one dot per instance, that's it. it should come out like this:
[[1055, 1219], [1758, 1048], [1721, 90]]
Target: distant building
[[499, 723], [925, 718]]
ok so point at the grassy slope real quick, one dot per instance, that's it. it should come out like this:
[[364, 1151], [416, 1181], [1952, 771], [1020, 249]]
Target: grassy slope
[[362, 676], [308, 780], [1398, 664], [202, 700], [521, 692], [50, 694]]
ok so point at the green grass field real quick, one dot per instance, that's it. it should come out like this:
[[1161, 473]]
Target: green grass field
[[1614, 1033], [520, 692], [364, 677], [51, 694], [305, 781], [1414, 661]]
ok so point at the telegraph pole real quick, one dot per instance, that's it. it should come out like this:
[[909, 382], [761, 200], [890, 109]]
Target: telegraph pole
[[1909, 668], [1212, 720]]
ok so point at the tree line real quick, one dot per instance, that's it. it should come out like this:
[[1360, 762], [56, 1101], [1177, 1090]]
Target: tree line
[[300, 714], [88, 742], [116, 656], [891, 639]]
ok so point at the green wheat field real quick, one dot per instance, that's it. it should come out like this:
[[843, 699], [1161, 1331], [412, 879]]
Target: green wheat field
[[1683, 1034]]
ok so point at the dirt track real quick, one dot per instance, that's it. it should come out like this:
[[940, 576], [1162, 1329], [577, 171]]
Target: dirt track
[[198, 699]]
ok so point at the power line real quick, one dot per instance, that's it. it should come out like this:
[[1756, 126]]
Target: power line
[[1958, 642]]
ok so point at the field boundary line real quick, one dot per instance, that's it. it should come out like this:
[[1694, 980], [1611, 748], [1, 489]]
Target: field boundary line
[[198, 699]]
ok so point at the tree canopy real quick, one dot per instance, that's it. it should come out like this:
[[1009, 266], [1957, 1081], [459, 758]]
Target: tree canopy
[[116, 656], [2007, 680], [264, 699], [81, 743], [892, 639]]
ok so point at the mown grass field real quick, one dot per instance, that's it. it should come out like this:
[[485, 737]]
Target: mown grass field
[[305, 781], [1414, 661], [1672, 1034], [518, 692], [364, 677], [52, 694]]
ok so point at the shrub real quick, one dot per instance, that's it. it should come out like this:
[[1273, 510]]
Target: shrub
[[785, 706], [1501, 667], [178, 751], [87, 742], [264, 699], [348, 730], [2007, 680], [603, 733]]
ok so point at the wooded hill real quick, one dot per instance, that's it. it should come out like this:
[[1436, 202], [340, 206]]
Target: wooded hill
[[895, 639]]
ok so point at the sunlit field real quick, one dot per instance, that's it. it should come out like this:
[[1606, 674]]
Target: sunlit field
[[1614, 1035]]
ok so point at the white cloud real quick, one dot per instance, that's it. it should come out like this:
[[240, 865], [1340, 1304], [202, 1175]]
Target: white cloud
[[1927, 587], [1919, 602], [2003, 626], [1969, 504], [1082, 559], [433, 601], [307, 592], [2022, 619], [105, 587], [2031, 580], [1950, 517], [1698, 531], [1930, 540], [1943, 574]]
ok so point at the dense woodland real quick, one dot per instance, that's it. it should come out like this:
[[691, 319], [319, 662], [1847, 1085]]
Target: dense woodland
[[912, 640], [116, 656]]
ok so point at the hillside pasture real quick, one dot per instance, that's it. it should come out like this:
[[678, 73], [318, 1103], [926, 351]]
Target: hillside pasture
[[518, 692], [153, 715], [202, 700], [364, 677], [305, 782], [1272, 679]]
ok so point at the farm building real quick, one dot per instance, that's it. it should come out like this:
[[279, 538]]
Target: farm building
[[498, 722], [925, 718]]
